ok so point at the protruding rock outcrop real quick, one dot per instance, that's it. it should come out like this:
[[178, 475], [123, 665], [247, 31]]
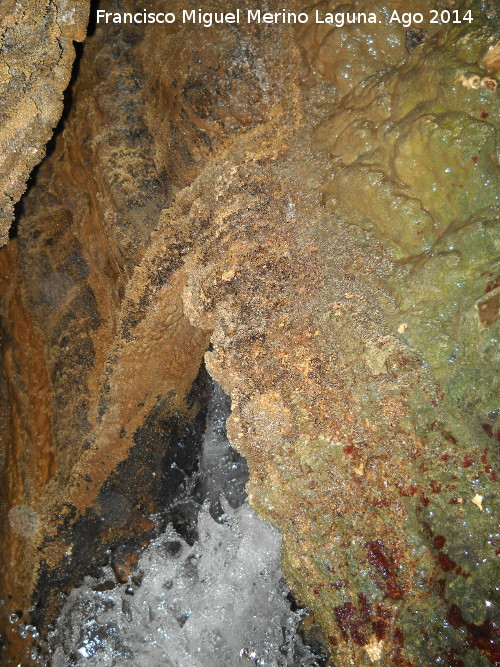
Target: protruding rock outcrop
[[36, 60]]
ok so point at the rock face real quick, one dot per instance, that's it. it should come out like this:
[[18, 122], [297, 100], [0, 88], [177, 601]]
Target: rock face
[[36, 59], [333, 259], [347, 49], [88, 370]]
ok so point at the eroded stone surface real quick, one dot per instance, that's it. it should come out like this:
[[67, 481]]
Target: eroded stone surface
[[36, 59], [88, 357], [338, 256]]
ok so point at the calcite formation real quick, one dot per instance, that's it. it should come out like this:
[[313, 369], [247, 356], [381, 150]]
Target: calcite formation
[[36, 59], [350, 49], [329, 245]]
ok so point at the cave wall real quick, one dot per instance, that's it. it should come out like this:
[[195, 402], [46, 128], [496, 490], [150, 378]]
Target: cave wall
[[93, 376], [333, 239], [36, 59]]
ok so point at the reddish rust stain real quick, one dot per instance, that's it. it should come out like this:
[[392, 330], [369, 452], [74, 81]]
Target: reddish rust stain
[[488, 429], [493, 284], [427, 529], [484, 461], [399, 641], [467, 463], [454, 616], [435, 487], [399, 637], [381, 502], [474, 159], [446, 563], [360, 622], [383, 612], [381, 559], [440, 587], [484, 115], [379, 628], [481, 637], [453, 661], [349, 624], [449, 436], [365, 612], [407, 491], [439, 541], [463, 573]]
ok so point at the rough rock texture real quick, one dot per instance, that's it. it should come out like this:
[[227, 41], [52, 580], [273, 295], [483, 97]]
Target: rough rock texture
[[338, 253], [36, 59], [91, 372], [348, 50]]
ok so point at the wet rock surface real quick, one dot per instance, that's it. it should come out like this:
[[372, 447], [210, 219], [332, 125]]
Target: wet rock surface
[[348, 50], [209, 590], [333, 259]]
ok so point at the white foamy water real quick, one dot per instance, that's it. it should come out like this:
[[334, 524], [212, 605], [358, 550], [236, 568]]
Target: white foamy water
[[218, 602]]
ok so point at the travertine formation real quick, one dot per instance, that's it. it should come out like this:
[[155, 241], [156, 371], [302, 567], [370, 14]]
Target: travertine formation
[[348, 54], [36, 60], [333, 258]]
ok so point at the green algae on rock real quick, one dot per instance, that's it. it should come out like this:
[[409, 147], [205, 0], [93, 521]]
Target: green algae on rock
[[347, 55], [424, 137]]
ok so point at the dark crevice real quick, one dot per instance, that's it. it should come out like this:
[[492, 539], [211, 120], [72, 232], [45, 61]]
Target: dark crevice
[[68, 100], [116, 528]]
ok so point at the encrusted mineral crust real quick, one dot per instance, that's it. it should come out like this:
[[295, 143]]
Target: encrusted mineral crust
[[348, 54], [36, 60], [339, 253]]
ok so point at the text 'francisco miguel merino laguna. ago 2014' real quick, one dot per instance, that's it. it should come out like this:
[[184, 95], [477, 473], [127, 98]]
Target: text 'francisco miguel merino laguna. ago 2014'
[[338, 19]]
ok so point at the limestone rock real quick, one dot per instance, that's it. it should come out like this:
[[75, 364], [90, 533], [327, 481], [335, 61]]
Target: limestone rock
[[360, 38], [340, 285], [36, 59]]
